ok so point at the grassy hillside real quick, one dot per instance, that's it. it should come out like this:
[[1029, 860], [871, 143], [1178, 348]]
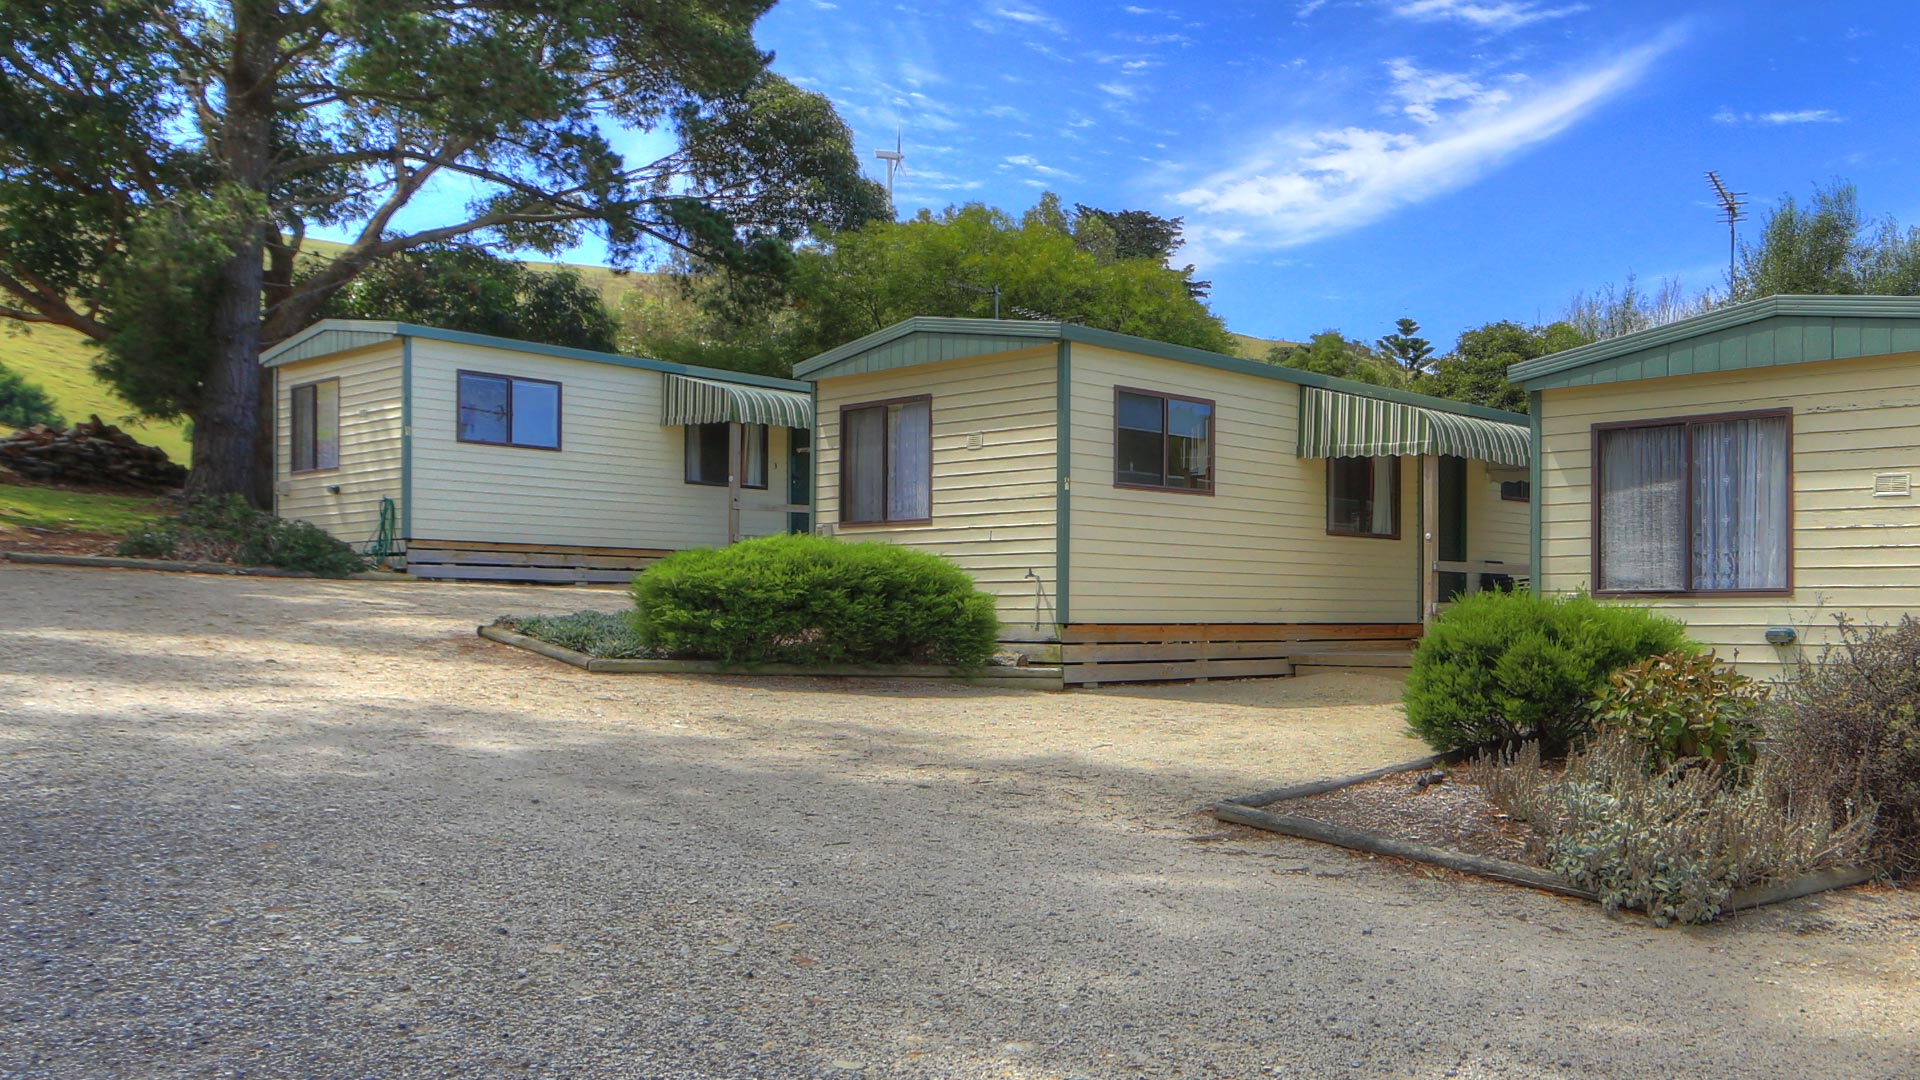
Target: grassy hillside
[[60, 360], [23, 507]]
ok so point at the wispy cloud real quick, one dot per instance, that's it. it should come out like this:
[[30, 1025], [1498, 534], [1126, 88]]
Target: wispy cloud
[[1303, 186], [1422, 93], [1307, 8], [1028, 161], [1119, 90], [1029, 16], [1783, 116], [1495, 15]]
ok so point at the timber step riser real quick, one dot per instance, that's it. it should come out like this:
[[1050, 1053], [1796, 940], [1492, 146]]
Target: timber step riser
[[1092, 655], [555, 564]]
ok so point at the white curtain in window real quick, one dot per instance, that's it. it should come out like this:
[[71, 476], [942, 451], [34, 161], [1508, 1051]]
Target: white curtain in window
[[1740, 504], [864, 465], [909, 455], [1382, 524], [753, 455], [1643, 540]]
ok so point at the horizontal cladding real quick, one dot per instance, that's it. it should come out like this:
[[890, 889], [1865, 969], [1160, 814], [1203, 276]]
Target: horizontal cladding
[[994, 506], [618, 480], [370, 443], [1787, 339], [1256, 550], [1854, 554]]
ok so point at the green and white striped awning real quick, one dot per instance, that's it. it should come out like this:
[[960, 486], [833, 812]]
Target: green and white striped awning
[[687, 400], [1333, 424]]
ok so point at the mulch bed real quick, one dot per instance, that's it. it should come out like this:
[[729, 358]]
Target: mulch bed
[[1454, 814]]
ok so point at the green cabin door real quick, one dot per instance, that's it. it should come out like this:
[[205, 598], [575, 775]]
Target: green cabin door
[[1452, 526], [799, 478]]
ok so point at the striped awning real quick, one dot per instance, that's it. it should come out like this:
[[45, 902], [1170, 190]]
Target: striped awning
[[687, 400], [1333, 424]]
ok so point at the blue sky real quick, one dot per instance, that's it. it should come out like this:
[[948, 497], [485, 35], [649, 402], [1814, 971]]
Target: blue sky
[[1344, 163]]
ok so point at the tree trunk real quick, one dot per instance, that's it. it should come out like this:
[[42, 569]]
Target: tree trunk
[[227, 425]]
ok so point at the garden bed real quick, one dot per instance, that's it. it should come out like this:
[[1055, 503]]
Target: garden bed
[[1451, 824], [1028, 678]]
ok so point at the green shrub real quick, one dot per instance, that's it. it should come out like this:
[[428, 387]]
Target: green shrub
[[229, 530], [600, 634], [1502, 667], [24, 404], [812, 600], [1683, 705], [1850, 720]]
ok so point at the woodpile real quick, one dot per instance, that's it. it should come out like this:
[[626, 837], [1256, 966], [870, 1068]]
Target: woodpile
[[90, 452]]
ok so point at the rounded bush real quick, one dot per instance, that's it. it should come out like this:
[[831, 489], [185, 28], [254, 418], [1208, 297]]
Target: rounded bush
[[1506, 667], [811, 600]]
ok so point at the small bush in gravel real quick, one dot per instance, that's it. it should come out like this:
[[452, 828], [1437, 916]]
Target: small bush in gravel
[[1851, 719], [1675, 842], [1684, 705], [1506, 667], [813, 600], [229, 530], [600, 634]]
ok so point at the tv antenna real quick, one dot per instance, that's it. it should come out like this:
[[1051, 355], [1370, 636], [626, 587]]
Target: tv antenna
[[896, 160], [1733, 210], [993, 291]]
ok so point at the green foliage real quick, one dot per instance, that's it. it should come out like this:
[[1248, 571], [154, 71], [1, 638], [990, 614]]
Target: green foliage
[[1851, 719], [1829, 247], [1331, 353], [24, 404], [175, 242], [1046, 265], [1503, 667], [600, 634], [460, 287], [1476, 370], [1676, 842], [1406, 348], [1610, 312], [811, 600], [228, 530], [1683, 705]]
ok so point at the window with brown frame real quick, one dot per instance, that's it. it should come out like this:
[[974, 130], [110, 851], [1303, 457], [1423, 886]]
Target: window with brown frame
[[707, 454], [1699, 504], [315, 430], [1363, 497], [1162, 441], [507, 410], [886, 462]]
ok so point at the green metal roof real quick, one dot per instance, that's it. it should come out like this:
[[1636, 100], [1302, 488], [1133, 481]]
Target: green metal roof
[[330, 336], [1760, 333], [927, 340]]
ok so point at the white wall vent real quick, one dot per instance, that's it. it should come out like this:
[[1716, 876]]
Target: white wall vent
[[1892, 485], [976, 440]]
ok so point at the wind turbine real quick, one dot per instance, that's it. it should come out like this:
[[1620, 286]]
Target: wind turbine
[[896, 160]]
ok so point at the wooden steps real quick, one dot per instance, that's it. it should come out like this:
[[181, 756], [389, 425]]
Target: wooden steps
[[1383, 657], [1160, 652], [561, 564]]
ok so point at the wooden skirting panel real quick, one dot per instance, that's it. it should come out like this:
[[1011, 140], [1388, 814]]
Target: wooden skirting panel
[[1092, 654], [468, 560]]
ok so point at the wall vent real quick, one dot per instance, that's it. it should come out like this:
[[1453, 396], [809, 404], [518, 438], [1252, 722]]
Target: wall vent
[[976, 440], [1892, 485]]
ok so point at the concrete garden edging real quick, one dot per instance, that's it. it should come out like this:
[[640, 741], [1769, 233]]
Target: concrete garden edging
[[1016, 677], [116, 562], [1251, 810]]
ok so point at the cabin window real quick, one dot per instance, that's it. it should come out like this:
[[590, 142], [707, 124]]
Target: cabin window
[[707, 454], [1516, 490], [1695, 504], [1162, 441], [505, 410], [886, 462], [316, 426], [1363, 496]]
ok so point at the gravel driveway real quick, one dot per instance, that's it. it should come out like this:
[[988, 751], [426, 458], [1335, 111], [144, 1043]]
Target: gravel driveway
[[271, 828]]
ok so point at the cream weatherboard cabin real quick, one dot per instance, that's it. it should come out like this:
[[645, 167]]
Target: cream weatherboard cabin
[[1148, 511], [457, 455], [1750, 471]]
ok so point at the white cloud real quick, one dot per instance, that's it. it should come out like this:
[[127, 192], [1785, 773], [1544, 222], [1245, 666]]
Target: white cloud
[[1134, 10], [1421, 93], [1308, 8], [1496, 15], [1303, 186], [1028, 161], [1781, 116], [1027, 16], [1119, 90]]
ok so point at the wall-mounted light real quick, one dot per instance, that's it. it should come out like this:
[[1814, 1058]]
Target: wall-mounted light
[[1782, 635], [333, 489]]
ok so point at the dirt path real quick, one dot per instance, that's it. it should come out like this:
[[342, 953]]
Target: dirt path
[[288, 828]]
